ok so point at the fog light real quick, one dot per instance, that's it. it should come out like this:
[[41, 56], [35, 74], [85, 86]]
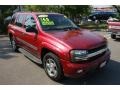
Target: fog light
[[103, 64], [79, 71]]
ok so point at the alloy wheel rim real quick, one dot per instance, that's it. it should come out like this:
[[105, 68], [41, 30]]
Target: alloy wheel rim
[[51, 67]]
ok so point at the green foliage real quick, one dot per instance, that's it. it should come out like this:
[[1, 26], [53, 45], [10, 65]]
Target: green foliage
[[6, 10], [77, 10], [117, 7], [73, 11], [42, 8], [94, 26]]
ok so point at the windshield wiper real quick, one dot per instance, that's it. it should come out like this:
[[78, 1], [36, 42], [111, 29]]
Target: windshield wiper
[[53, 28], [71, 28], [62, 28]]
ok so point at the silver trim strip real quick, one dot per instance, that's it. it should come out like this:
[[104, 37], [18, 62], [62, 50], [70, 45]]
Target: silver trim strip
[[93, 54], [96, 53], [30, 56], [26, 43]]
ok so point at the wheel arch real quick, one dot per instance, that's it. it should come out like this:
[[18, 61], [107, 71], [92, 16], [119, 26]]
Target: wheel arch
[[46, 50]]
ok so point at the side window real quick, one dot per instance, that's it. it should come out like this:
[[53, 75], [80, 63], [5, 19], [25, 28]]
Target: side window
[[19, 20], [29, 22]]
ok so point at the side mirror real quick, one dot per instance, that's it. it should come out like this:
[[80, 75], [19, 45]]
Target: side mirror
[[32, 30]]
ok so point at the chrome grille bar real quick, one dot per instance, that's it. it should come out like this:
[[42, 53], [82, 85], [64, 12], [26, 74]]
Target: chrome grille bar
[[96, 53]]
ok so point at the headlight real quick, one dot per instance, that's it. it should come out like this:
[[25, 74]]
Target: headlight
[[78, 55]]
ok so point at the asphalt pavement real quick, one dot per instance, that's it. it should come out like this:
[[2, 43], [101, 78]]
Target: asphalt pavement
[[16, 69]]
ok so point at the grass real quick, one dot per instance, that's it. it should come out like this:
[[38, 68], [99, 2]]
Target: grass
[[94, 26]]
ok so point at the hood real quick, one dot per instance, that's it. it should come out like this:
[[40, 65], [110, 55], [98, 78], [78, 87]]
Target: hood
[[79, 39]]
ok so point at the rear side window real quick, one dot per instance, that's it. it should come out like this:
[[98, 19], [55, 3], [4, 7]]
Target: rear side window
[[19, 20]]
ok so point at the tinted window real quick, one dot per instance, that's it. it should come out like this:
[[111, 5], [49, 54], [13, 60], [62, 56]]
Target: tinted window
[[19, 20], [29, 22]]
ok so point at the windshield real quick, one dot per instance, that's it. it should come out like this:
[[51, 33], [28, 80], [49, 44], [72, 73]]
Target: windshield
[[55, 22]]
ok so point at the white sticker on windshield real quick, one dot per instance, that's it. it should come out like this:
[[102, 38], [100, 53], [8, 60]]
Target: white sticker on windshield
[[43, 16]]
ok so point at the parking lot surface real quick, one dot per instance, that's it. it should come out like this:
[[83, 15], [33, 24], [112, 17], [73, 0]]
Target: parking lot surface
[[15, 68]]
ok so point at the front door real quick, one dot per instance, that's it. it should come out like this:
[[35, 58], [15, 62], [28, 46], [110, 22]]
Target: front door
[[30, 38]]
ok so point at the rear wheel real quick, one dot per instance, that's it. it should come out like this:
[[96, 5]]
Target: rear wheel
[[52, 66], [13, 44]]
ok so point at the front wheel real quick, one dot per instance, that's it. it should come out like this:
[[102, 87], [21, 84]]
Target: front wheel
[[52, 66]]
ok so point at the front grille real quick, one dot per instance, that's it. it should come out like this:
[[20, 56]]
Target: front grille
[[93, 51], [97, 49], [96, 57]]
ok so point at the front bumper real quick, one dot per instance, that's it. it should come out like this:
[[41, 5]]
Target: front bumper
[[80, 69]]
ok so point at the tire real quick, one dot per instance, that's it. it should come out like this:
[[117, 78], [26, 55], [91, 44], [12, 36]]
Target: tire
[[113, 36], [13, 44], [52, 66]]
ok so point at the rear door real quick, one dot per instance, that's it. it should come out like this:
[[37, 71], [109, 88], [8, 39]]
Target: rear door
[[16, 27]]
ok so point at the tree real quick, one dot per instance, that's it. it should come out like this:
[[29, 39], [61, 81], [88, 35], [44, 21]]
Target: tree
[[6, 10], [66, 9], [42, 8], [76, 12], [72, 11], [117, 7]]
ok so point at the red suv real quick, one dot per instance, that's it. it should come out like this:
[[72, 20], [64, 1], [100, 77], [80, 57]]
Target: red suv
[[53, 40]]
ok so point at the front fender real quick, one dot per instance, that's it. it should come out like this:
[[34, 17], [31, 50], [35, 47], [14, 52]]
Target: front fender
[[62, 54]]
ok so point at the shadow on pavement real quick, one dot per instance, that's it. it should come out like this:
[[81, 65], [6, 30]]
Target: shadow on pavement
[[5, 50], [118, 40], [108, 76]]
